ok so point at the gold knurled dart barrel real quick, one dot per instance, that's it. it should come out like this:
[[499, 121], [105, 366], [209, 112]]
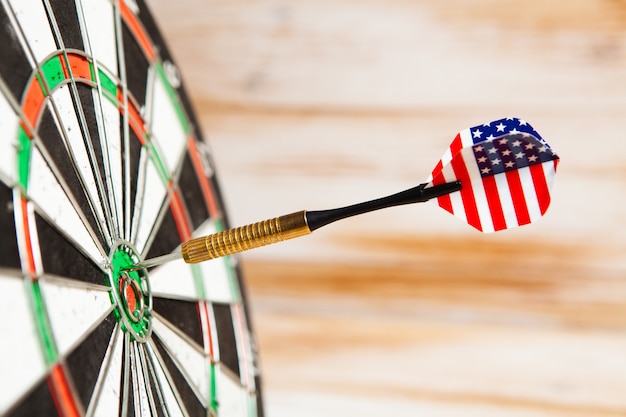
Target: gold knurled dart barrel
[[247, 237]]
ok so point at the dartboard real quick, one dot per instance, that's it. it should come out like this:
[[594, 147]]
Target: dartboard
[[102, 166]]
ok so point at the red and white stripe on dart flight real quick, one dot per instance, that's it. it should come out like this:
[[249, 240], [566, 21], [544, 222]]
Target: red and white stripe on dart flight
[[506, 170]]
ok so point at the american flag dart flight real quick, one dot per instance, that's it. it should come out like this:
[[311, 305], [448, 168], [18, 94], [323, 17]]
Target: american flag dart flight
[[506, 170]]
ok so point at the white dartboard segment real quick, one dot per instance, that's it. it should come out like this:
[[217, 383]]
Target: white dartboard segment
[[22, 347], [73, 310], [97, 20], [234, 398], [174, 280], [163, 379], [34, 27], [54, 203], [106, 397], [62, 107], [9, 144], [149, 204], [190, 360], [166, 126]]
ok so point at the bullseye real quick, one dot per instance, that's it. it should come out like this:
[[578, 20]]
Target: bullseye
[[130, 291]]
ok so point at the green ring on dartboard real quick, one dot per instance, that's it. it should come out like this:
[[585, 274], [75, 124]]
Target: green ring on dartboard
[[130, 291], [102, 165]]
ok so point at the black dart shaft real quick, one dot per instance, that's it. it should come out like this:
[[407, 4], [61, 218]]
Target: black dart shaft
[[419, 194]]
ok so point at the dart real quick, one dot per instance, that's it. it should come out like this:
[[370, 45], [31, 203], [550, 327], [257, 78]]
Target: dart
[[290, 226], [494, 176]]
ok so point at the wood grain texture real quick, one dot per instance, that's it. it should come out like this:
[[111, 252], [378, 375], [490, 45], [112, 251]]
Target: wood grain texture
[[316, 103]]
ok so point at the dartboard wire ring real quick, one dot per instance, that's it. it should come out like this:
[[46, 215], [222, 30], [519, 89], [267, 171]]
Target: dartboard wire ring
[[155, 361]]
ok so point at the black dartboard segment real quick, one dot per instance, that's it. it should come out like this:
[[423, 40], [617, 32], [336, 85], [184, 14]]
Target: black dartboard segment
[[102, 165], [15, 68], [85, 361], [8, 243], [38, 402], [182, 314]]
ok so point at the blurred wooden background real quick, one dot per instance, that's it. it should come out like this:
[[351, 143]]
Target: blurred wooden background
[[312, 104]]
